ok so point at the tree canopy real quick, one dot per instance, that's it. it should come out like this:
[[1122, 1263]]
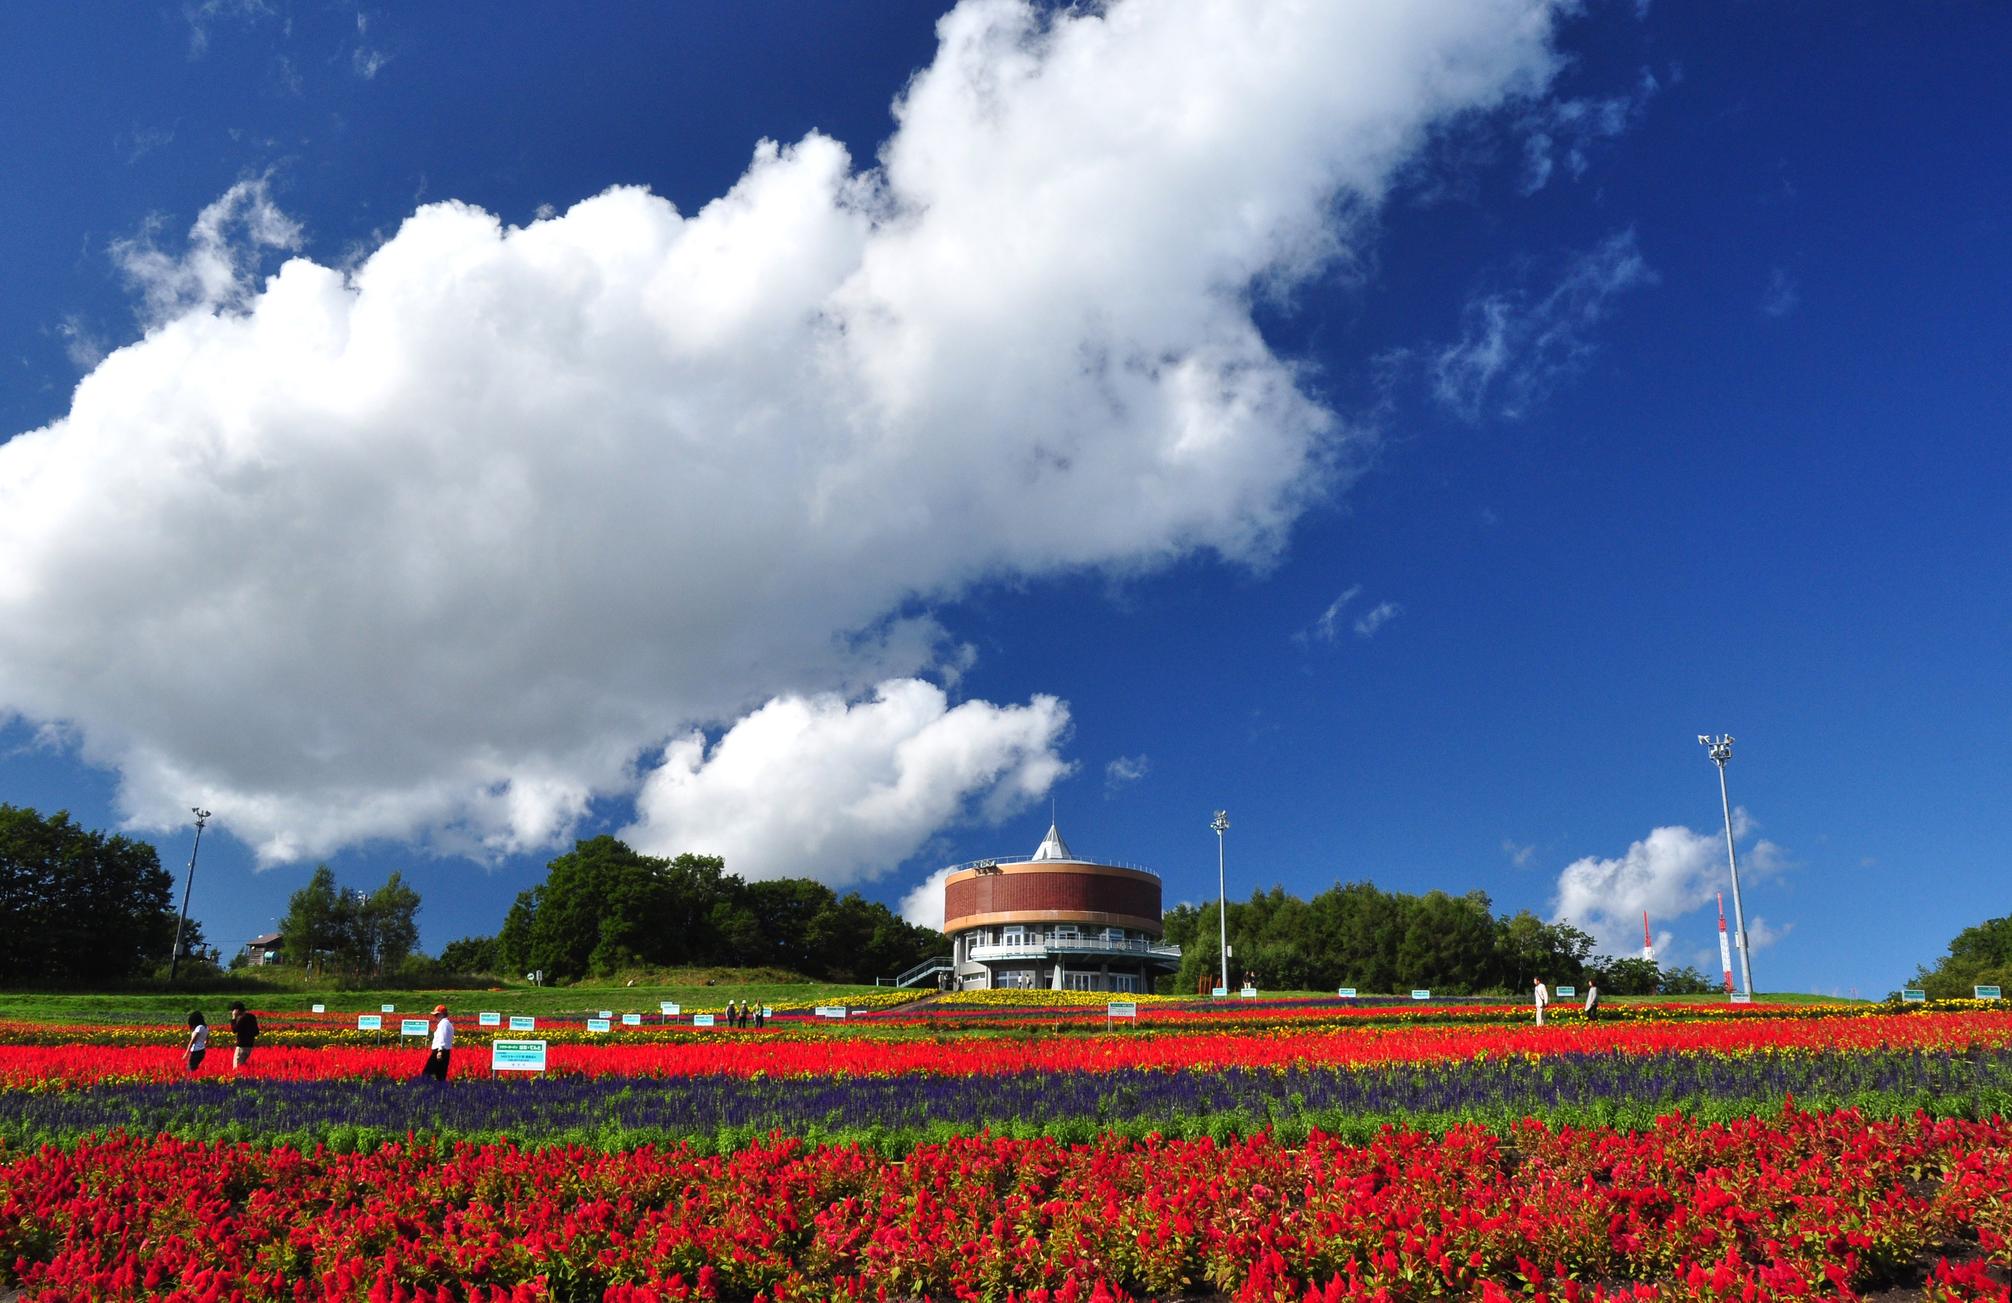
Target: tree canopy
[[347, 930], [76, 905], [1357, 935], [1979, 956], [604, 906]]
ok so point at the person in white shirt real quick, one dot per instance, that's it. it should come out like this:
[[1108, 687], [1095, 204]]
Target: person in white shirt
[[443, 1046], [1543, 997], [199, 1039], [1592, 999]]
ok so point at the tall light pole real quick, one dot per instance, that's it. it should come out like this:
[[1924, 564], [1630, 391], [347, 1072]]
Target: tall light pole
[[1721, 748], [1221, 823], [182, 921]]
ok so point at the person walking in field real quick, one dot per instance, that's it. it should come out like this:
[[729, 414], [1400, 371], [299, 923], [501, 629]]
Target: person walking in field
[[1542, 997], [199, 1038], [244, 1027], [1592, 998], [442, 1047]]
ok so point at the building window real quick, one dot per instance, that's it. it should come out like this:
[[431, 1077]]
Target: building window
[[1016, 936]]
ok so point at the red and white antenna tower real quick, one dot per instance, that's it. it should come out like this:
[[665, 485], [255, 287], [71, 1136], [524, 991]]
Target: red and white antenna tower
[[1648, 944], [1725, 948]]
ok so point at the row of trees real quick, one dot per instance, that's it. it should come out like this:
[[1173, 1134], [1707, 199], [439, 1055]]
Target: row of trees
[[1979, 956], [78, 906], [1357, 935], [604, 907], [333, 929]]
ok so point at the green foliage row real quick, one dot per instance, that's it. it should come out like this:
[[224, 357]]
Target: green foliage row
[[604, 907], [345, 931], [1979, 956], [1358, 935], [78, 906]]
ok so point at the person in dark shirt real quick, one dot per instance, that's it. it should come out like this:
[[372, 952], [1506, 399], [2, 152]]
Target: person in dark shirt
[[244, 1026]]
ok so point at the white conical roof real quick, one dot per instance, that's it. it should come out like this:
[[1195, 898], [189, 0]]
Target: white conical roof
[[1052, 847]]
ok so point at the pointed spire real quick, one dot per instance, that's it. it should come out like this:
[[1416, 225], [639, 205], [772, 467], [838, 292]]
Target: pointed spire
[[1052, 846]]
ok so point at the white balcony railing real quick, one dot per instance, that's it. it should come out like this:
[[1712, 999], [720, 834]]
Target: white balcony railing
[[1040, 948]]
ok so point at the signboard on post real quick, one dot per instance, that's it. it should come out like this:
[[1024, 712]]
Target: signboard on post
[[1986, 992], [1914, 995], [1346, 993], [702, 1020], [1421, 993], [413, 1027], [516, 1056], [632, 1020], [1220, 991], [1122, 1009], [1248, 993], [369, 1022], [387, 1008], [488, 1020], [597, 1024], [523, 1023], [317, 1008], [1741, 997], [606, 1013], [831, 1011], [670, 1008], [1565, 992]]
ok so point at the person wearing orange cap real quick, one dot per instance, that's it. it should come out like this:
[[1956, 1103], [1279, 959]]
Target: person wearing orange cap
[[443, 1046]]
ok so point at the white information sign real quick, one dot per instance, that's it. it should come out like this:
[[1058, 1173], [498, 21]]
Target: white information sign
[[606, 1013], [369, 1022], [1566, 992], [1122, 1009], [387, 1008], [1248, 993], [1421, 994], [516, 1056], [1346, 993], [1913, 995], [1220, 991], [489, 1019], [702, 1020], [523, 1023], [632, 1020], [597, 1024], [1986, 993], [1741, 997], [413, 1027], [318, 1008], [671, 1008]]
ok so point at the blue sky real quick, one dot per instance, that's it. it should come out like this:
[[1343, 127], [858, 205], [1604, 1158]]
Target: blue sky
[[1407, 429]]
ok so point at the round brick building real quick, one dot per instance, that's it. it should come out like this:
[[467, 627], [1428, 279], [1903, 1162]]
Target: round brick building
[[1055, 921]]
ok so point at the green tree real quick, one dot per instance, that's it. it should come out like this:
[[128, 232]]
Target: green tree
[[76, 905], [470, 956], [314, 924], [1979, 956], [390, 918]]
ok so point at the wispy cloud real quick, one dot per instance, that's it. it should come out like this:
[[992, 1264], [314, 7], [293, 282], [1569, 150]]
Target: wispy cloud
[[1515, 347], [1375, 618], [1564, 133], [1124, 771], [225, 244], [1782, 296], [1519, 855], [1323, 629]]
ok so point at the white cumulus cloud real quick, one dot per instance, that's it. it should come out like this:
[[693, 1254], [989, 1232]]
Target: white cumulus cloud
[[819, 787], [437, 545], [1671, 872]]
